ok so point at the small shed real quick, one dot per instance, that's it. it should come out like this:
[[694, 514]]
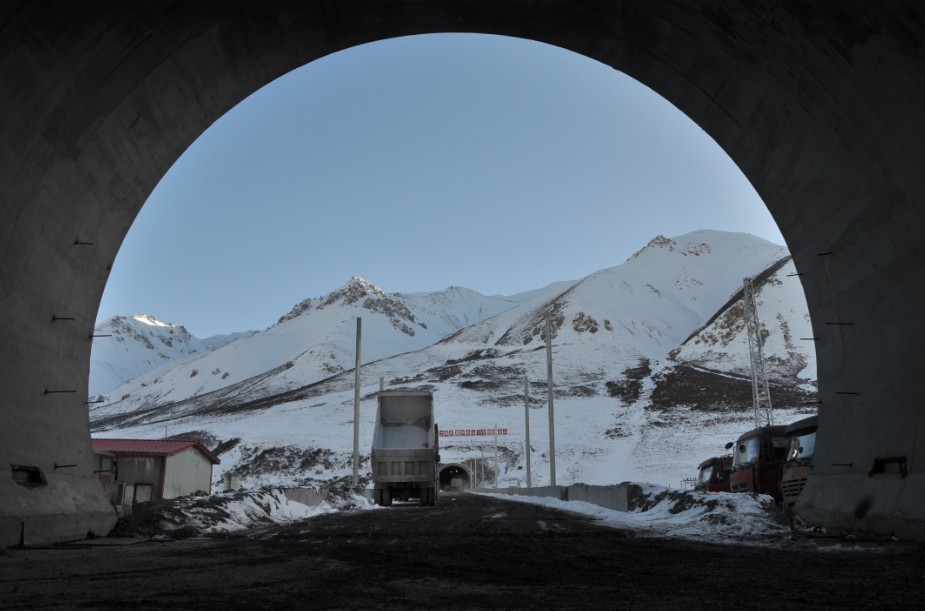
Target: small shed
[[149, 469]]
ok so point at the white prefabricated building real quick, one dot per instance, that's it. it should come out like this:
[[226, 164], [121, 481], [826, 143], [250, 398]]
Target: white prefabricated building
[[138, 470]]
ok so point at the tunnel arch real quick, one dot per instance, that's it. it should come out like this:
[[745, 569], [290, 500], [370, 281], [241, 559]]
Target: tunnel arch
[[455, 471], [816, 103]]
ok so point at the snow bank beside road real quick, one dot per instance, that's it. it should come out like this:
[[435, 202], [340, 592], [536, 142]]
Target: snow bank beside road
[[246, 511], [662, 512], [197, 515]]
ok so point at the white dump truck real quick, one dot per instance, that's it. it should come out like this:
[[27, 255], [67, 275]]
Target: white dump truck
[[405, 448]]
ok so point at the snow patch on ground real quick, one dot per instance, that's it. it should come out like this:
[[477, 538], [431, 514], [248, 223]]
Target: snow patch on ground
[[199, 515], [245, 512], [717, 517]]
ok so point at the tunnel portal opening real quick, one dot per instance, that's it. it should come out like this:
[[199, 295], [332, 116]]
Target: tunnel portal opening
[[832, 150], [454, 477]]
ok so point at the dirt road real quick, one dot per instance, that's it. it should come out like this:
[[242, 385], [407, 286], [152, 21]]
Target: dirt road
[[467, 552]]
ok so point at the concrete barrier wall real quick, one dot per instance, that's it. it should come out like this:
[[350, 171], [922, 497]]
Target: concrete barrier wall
[[307, 496], [618, 496], [559, 492]]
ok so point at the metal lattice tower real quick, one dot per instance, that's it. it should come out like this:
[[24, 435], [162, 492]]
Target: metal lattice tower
[[761, 394]]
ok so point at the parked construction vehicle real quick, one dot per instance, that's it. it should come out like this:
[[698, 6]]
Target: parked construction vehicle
[[405, 449], [757, 461], [713, 474], [799, 460]]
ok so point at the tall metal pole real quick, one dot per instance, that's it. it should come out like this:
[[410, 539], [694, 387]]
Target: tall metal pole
[[527, 427], [497, 466], [356, 408], [761, 393], [482, 479], [552, 420]]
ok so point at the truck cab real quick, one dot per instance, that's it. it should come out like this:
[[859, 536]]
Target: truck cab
[[799, 461], [758, 458], [713, 474]]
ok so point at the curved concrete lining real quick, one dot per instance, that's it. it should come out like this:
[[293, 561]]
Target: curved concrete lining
[[818, 104]]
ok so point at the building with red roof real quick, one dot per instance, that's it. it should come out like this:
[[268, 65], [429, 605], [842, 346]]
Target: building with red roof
[[137, 470]]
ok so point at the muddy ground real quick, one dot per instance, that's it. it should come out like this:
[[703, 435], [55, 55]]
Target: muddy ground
[[467, 552]]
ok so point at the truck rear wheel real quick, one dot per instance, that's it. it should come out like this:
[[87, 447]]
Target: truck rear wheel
[[383, 497]]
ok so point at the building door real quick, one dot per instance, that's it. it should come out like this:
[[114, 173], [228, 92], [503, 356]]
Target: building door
[[143, 492]]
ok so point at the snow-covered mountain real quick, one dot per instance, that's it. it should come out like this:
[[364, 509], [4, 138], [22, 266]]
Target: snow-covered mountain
[[126, 347], [315, 340], [650, 367]]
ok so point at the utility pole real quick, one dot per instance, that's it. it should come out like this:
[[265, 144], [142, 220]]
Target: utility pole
[[761, 393], [552, 420], [356, 408], [482, 479], [497, 464], [527, 426]]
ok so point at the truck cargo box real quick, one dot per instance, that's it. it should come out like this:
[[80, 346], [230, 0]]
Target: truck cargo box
[[404, 455]]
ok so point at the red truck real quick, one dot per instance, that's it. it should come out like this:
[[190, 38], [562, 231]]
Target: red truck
[[757, 461], [799, 460], [713, 474]]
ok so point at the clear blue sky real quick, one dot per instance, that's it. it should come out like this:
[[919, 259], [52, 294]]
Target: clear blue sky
[[496, 164]]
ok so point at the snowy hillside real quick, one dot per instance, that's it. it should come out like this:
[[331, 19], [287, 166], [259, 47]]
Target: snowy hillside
[[716, 357], [647, 361], [128, 346], [315, 340], [648, 305]]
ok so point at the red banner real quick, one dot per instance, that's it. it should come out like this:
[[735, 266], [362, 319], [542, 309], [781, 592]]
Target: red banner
[[471, 432]]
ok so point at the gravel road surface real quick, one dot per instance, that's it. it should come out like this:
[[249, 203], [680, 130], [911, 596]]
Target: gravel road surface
[[469, 552]]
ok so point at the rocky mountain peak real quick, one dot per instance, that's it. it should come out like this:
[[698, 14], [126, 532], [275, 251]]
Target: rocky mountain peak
[[150, 320], [658, 241], [353, 291]]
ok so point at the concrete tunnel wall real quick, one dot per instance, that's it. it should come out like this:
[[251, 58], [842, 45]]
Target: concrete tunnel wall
[[818, 103]]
